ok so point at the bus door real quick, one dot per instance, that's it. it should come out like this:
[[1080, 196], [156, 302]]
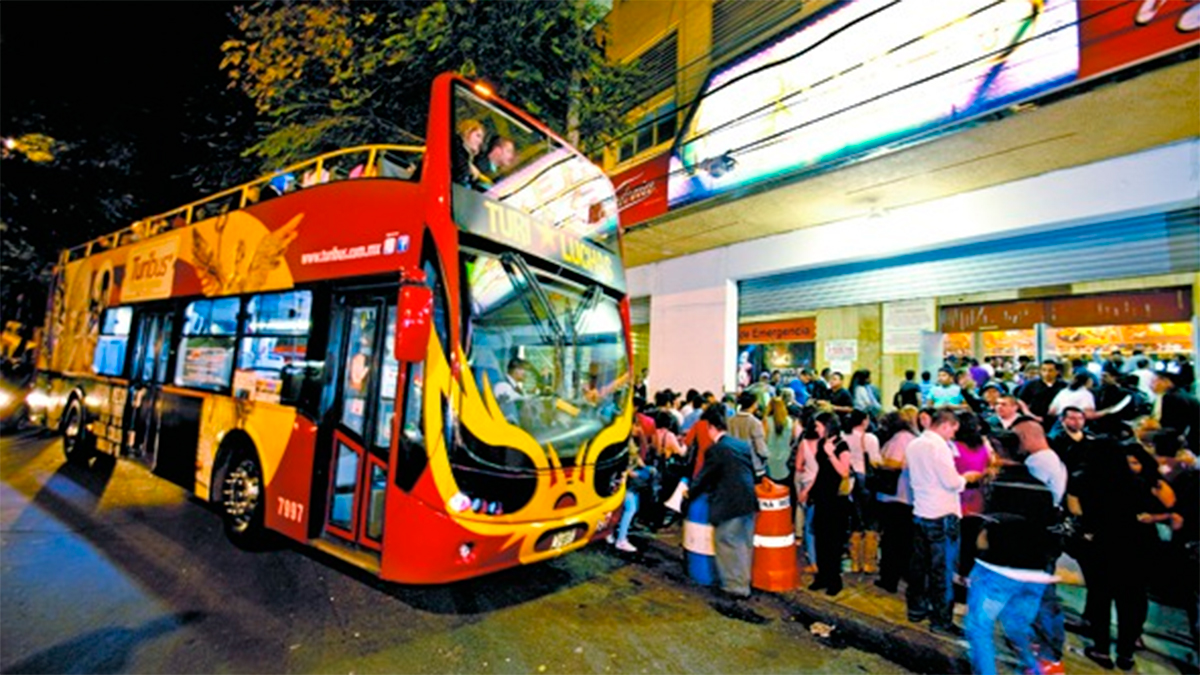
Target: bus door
[[362, 417], [151, 353]]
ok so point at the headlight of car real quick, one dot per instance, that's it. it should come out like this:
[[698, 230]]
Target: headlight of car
[[7, 398]]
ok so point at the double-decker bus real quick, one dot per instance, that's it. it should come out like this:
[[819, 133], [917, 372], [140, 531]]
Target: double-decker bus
[[417, 366]]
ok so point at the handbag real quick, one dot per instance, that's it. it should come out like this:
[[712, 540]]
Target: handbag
[[884, 480], [846, 486]]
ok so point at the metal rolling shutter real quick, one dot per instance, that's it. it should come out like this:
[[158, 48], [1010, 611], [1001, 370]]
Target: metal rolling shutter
[[1160, 243]]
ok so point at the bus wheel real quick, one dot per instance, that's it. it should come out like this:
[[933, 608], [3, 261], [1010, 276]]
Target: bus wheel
[[77, 443], [242, 500]]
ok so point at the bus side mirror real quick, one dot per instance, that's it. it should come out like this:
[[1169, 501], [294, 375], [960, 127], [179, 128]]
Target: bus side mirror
[[413, 316]]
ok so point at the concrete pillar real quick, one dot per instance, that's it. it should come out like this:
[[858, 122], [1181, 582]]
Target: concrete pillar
[[693, 338]]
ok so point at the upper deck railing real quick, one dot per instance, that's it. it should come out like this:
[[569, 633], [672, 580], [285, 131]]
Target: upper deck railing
[[402, 162]]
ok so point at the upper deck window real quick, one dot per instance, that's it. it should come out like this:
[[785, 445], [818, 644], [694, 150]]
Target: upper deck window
[[525, 173]]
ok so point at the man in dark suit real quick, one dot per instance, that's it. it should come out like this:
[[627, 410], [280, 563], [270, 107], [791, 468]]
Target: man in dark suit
[[728, 478]]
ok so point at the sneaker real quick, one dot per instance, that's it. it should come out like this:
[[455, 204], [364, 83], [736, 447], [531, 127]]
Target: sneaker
[[1100, 658], [1125, 662], [611, 538], [624, 545], [1051, 667], [947, 629]]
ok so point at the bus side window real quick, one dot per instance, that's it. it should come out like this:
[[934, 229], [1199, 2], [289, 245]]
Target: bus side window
[[109, 358], [206, 346], [274, 349]]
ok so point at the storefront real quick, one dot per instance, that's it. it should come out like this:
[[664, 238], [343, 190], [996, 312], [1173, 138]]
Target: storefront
[[1156, 322], [776, 345]]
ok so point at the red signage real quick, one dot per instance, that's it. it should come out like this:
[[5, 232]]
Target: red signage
[[1116, 33], [642, 191], [796, 330]]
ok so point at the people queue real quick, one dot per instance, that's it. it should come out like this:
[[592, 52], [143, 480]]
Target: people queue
[[972, 485]]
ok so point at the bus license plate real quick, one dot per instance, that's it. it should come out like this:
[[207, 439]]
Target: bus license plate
[[562, 539]]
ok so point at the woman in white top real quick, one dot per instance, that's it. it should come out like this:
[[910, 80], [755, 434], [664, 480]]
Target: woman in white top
[[1077, 395]]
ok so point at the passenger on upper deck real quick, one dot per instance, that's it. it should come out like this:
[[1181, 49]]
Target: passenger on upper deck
[[500, 157], [463, 152]]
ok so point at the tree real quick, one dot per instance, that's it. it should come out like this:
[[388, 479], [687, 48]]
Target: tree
[[56, 193], [329, 75]]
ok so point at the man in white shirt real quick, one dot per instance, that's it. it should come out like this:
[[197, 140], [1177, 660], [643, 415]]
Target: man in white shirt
[[509, 391], [935, 485]]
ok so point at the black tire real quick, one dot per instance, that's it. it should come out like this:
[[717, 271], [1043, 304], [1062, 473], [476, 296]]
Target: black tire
[[78, 444], [241, 500]]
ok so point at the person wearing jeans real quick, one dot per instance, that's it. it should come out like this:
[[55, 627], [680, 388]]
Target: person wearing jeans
[[1009, 579], [1015, 603], [935, 485], [930, 592], [639, 478]]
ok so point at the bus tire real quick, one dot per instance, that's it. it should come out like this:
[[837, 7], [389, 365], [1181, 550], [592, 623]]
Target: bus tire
[[241, 500], [78, 444]]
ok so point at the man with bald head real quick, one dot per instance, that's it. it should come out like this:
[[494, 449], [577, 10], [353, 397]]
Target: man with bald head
[[1044, 464]]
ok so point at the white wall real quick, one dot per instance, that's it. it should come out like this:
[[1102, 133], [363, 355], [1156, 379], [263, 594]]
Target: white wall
[[693, 299]]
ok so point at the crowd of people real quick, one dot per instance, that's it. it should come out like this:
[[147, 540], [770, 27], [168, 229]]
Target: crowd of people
[[971, 486]]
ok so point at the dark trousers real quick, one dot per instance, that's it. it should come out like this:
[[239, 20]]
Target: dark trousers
[[1112, 576], [831, 528], [968, 547], [931, 571], [896, 543]]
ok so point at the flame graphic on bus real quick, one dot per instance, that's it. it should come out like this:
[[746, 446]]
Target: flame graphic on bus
[[477, 410]]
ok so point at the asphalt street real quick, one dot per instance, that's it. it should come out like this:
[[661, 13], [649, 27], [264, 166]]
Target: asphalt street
[[110, 569]]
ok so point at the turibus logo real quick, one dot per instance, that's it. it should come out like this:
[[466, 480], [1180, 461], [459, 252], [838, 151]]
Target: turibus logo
[[150, 270]]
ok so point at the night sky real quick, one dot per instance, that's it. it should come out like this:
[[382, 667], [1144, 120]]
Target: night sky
[[142, 72]]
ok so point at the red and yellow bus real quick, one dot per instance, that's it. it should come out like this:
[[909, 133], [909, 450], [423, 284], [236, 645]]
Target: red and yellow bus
[[426, 378]]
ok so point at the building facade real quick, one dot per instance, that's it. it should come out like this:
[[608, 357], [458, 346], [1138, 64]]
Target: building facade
[[862, 184]]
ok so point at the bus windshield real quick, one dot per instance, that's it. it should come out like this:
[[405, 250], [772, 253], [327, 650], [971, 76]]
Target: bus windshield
[[552, 352], [502, 158]]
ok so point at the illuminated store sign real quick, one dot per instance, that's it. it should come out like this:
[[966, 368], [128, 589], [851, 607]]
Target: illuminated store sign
[[862, 74]]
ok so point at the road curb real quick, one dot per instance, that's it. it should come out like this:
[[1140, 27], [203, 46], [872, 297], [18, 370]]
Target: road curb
[[908, 646]]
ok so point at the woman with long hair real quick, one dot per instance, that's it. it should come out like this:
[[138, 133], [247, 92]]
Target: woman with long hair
[[781, 432], [1120, 502], [805, 476], [832, 501], [466, 147], [896, 430], [974, 456]]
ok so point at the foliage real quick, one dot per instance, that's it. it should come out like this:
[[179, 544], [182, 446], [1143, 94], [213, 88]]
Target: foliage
[[341, 73], [84, 188]]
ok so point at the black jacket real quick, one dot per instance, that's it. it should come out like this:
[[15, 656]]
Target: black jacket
[[1019, 515], [1180, 412], [728, 477]]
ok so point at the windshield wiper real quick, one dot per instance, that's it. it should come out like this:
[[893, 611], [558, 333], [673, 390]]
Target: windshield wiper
[[523, 279], [591, 298]]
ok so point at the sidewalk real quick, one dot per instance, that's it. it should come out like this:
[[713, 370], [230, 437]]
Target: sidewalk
[[871, 619]]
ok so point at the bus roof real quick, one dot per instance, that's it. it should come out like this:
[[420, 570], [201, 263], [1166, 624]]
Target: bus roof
[[325, 168]]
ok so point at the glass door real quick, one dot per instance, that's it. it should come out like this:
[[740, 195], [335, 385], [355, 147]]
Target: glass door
[[364, 415], [151, 352]]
